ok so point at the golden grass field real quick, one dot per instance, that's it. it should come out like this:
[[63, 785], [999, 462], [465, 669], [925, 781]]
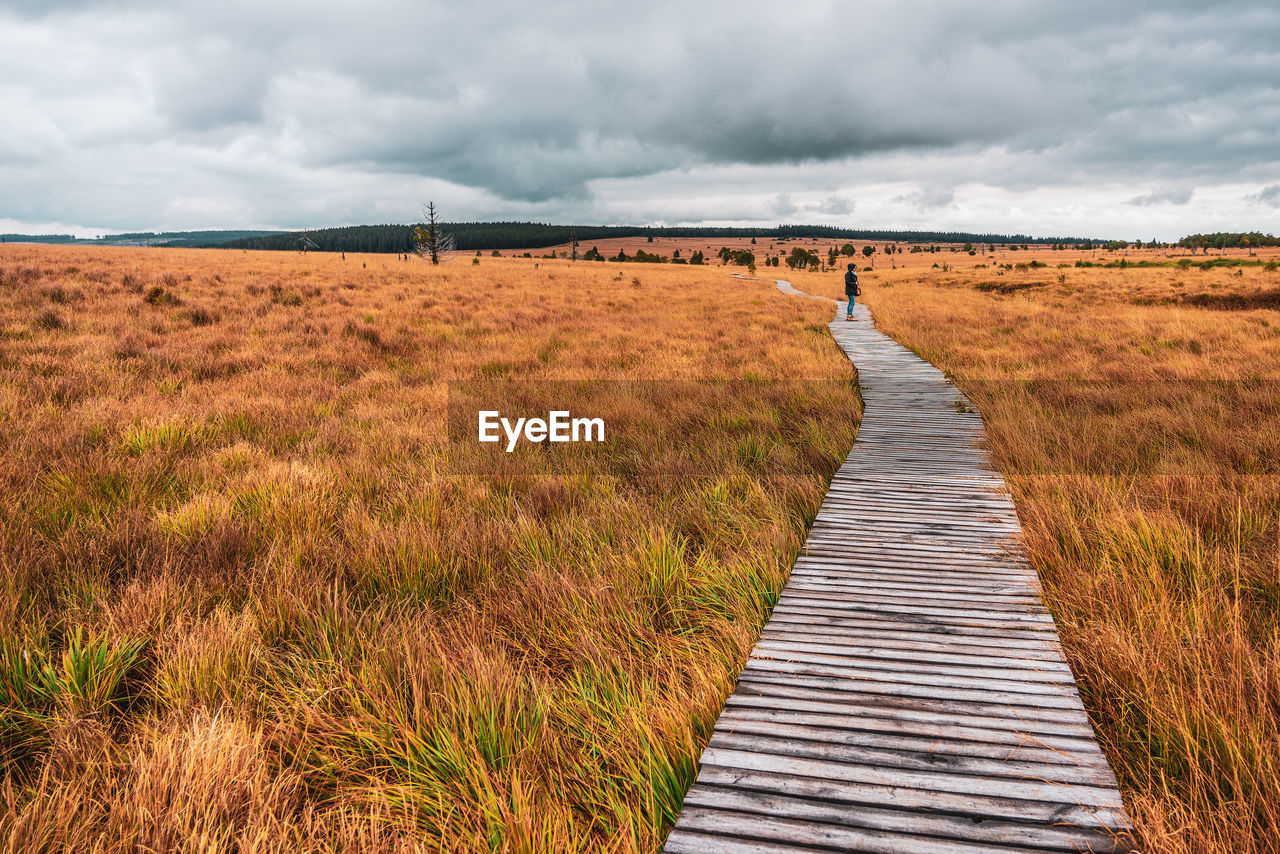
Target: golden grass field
[[252, 600]]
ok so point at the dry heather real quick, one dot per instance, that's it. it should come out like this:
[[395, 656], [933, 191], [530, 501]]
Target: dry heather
[[1136, 415], [253, 600]]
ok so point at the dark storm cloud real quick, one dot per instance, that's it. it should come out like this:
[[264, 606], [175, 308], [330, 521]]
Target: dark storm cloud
[[120, 109]]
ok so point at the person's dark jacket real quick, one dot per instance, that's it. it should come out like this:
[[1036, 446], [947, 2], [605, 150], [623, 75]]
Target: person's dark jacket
[[850, 283]]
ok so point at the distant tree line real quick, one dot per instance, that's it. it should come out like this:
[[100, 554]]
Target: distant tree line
[[38, 238], [1228, 240], [353, 238], [143, 238], [470, 236]]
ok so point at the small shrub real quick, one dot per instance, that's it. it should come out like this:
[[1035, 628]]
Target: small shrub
[[157, 296], [50, 319], [367, 334], [201, 316], [130, 348], [280, 296]]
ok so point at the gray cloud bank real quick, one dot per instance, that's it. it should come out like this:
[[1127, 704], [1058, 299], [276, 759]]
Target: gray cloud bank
[[1165, 196], [139, 114]]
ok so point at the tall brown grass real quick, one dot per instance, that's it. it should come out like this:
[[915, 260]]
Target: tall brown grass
[[252, 599], [1136, 415]]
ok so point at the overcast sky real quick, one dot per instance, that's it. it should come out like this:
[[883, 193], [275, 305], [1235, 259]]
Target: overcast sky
[[1110, 119]]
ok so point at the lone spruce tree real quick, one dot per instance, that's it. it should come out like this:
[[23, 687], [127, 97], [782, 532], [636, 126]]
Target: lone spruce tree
[[429, 240]]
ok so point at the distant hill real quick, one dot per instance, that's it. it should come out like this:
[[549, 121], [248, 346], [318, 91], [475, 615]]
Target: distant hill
[[532, 235]]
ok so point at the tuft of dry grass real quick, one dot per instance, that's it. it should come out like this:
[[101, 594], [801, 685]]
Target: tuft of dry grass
[[253, 599], [1136, 416]]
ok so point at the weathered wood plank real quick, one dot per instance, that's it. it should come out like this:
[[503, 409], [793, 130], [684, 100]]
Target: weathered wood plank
[[740, 825], [825, 746], [935, 825], [915, 684], [1014, 632], [924, 781], [976, 806], [988, 672], [923, 654], [887, 645], [781, 691], [941, 732]]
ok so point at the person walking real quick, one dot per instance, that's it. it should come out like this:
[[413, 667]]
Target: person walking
[[851, 289]]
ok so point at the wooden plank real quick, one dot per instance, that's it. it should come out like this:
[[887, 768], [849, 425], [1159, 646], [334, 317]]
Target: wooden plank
[[889, 646], [819, 554], [915, 654], [688, 841], [858, 577], [972, 668], [827, 746], [740, 825], [907, 607], [934, 601], [928, 781], [855, 579], [914, 683], [1005, 595], [944, 733], [924, 572], [779, 692], [839, 549], [938, 826], [961, 630]]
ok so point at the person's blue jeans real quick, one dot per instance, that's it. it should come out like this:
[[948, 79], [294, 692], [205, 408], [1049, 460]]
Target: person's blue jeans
[[851, 299]]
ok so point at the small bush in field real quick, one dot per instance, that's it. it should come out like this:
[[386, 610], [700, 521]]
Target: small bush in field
[[367, 334], [157, 295], [201, 316], [50, 319]]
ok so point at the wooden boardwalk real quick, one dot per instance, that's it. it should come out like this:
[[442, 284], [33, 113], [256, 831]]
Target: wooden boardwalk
[[909, 692]]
